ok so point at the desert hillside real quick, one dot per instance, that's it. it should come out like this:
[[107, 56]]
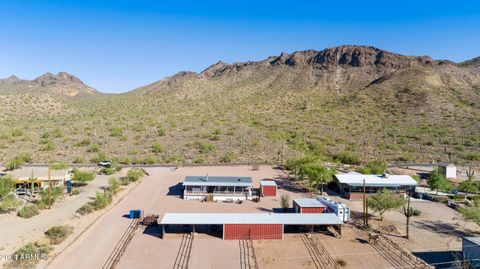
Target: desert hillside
[[362, 100]]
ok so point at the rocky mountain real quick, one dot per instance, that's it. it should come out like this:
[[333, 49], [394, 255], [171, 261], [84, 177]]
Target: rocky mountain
[[60, 85], [355, 100]]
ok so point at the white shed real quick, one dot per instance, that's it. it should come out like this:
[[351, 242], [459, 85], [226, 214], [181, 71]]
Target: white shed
[[450, 171]]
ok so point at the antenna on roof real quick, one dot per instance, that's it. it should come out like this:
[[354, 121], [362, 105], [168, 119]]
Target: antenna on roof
[[207, 177]]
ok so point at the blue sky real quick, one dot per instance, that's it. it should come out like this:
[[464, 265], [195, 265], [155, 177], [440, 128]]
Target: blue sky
[[118, 45]]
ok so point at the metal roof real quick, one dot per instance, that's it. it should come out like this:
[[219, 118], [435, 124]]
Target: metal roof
[[38, 172], [251, 218], [308, 202], [217, 181], [356, 179], [268, 183], [474, 239]]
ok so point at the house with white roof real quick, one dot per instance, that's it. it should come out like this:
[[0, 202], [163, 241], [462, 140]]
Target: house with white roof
[[215, 188], [350, 185]]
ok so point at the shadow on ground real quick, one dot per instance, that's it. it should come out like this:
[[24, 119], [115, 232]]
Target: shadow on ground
[[153, 230], [442, 228], [439, 259], [175, 190]]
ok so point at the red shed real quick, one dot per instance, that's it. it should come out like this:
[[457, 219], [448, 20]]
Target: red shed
[[268, 188], [252, 231], [307, 205]]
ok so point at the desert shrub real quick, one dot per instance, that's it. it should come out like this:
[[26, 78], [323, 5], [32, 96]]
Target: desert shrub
[[160, 131], [55, 193], [472, 156], [57, 133], [135, 174], [86, 209], [375, 167], [83, 143], [116, 132], [114, 185], [29, 255], [57, 234], [346, 158], [17, 132], [149, 160], [82, 177], [228, 157], [79, 159], [102, 199], [9, 203], [100, 157], [204, 147], [157, 148], [18, 161], [75, 192], [285, 201], [199, 160], [59, 166], [28, 211], [48, 145], [416, 212], [7, 184], [94, 148], [125, 160]]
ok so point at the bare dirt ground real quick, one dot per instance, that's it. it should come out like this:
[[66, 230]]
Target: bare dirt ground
[[435, 234], [159, 193], [16, 231]]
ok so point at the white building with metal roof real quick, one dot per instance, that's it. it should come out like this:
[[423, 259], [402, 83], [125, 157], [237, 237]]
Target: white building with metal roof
[[351, 184], [217, 188]]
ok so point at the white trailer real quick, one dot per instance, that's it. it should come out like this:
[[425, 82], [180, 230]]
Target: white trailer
[[340, 209]]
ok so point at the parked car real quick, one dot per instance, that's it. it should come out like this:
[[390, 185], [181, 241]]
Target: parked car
[[104, 163]]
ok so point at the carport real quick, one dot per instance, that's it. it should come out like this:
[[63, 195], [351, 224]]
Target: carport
[[255, 226]]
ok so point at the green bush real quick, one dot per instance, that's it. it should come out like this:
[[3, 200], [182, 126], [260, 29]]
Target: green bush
[[18, 161], [82, 177], [116, 132], [135, 174], [86, 209], [59, 166], [228, 157], [57, 234], [55, 193], [346, 158], [204, 147], [114, 185], [157, 148], [79, 159], [23, 256], [472, 156], [17, 132], [376, 167], [416, 212], [9, 204], [28, 211], [102, 199], [83, 143]]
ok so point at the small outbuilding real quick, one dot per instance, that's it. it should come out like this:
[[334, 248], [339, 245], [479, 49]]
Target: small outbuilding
[[268, 188], [471, 250], [308, 205]]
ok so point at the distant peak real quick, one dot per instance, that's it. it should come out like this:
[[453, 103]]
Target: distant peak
[[61, 77]]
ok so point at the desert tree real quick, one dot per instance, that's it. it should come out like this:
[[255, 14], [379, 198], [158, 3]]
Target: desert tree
[[384, 201]]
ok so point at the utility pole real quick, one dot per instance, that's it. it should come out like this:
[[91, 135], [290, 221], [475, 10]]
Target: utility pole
[[364, 205], [49, 189]]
